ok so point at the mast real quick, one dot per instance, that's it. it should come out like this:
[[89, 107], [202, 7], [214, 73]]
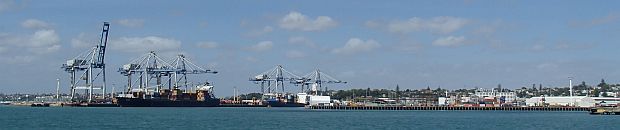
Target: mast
[[57, 89]]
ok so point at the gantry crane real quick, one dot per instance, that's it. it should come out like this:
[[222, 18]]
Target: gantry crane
[[278, 75], [313, 82], [150, 66], [185, 67], [89, 62]]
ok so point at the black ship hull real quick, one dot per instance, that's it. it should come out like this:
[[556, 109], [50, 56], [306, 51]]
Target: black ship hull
[[284, 104], [138, 102]]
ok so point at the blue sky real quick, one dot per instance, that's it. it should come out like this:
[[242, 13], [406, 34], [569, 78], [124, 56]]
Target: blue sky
[[377, 44]]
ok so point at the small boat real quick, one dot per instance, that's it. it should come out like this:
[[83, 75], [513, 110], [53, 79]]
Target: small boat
[[40, 104], [5, 103]]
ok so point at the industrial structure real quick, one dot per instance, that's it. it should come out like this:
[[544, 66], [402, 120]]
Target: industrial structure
[[171, 74], [313, 82], [157, 83], [310, 84], [273, 79], [87, 70]]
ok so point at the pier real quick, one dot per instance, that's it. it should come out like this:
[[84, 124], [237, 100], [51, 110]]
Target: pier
[[450, 108]]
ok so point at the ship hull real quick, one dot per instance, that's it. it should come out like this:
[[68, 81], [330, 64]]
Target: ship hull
[[284, 104], [137, 102]]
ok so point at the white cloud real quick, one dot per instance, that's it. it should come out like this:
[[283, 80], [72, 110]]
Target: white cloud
[[83, 40], [295, 54], [131, 22], [297, 21], [26, 48], [44, 38], [262, 46], [35, 24], [207, 45], [355, 45], [42, 41], [301, 40], [441, 24], [144, 44], [450, 41]]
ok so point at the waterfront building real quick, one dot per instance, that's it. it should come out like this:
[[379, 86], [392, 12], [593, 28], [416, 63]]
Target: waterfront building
[[493, 94], [577, 101]]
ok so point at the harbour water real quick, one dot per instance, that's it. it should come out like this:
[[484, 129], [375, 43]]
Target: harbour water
[[13, 117]]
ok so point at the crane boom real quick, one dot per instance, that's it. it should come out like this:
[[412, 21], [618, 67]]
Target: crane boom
[[102, 44]]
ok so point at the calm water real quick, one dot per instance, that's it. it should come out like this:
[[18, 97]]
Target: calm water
[[12, 117]]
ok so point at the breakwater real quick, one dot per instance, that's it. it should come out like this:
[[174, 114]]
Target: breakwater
[[448, 108]]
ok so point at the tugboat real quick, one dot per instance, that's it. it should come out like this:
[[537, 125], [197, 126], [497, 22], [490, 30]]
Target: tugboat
[[203, 97]]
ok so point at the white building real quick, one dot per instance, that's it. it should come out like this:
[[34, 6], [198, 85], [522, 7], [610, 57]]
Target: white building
[[442, 101], [509, 96], [579, 101]]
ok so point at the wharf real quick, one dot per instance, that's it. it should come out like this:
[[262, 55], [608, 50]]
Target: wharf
[[450, 108], [88, 105]]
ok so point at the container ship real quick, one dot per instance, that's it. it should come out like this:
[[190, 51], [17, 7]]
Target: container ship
[[202, 97]]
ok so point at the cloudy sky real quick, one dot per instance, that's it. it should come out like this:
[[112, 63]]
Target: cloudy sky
[[377, 44]]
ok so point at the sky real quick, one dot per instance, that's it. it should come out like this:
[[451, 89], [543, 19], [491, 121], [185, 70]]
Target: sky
[[370, 44]]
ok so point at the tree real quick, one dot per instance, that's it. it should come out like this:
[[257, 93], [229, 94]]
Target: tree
[[603, 86], [604, 94], [596, 92], [251, 96], [499, 87]]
